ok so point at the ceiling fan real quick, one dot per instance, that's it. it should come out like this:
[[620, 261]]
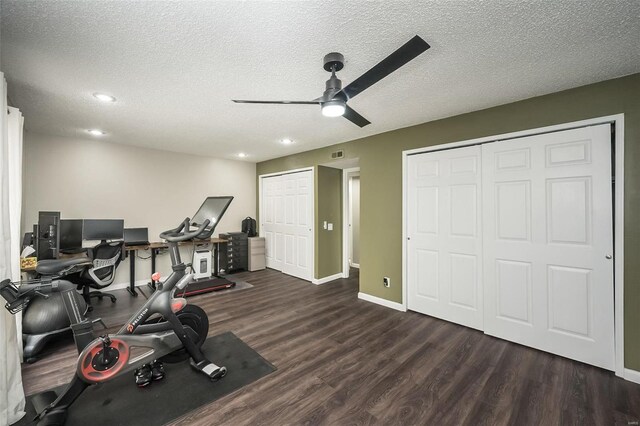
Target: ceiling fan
[[334, 100]]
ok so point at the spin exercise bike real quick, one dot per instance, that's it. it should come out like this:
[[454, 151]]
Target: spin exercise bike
[[167, 327]]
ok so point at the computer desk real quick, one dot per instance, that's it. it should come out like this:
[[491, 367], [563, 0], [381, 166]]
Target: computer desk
[[155, 248]]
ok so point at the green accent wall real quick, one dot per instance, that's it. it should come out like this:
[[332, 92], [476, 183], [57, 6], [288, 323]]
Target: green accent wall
[[380, 159], [328, 207]]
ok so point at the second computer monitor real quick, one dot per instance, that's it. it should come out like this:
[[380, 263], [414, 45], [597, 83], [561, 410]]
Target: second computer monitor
[[103, 229], [136, 236], [70, 234]]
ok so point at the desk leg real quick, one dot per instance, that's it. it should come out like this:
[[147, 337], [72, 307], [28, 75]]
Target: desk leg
[[151, 284], [132, 273], [216, 260]]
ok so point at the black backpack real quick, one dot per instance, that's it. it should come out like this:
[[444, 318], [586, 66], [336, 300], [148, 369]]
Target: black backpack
[[249, 227]]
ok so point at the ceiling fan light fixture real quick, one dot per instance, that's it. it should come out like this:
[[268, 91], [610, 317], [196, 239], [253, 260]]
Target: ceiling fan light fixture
[[333, 108]]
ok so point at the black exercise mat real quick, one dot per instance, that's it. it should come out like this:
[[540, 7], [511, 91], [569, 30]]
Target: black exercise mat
[[120, 402]]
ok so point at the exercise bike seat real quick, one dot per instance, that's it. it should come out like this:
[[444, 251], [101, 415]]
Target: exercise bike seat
[[56, 266]]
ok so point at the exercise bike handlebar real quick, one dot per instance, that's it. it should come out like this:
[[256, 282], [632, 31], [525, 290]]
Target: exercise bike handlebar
[[181, 233], [42, 287], [180, 227], [18, 296]]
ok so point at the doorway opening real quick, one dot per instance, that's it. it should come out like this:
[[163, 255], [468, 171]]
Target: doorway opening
[[351, 220]]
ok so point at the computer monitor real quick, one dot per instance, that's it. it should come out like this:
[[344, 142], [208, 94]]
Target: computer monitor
[[27, 240], [136, 236], [48, 236], [213, 209], [70, 234], [103, 229]]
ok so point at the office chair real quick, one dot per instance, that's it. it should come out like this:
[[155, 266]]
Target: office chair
[[105, 258]]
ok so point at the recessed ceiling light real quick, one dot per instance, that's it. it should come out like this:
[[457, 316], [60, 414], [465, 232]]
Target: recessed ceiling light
[[286, 141], [242, 155], [104, 97], [96, 132]]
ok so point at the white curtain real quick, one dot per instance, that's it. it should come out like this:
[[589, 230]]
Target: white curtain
[[12, 399], [15, 124]]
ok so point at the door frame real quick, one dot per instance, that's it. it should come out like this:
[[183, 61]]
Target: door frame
[[313, 210], [346, 210], [618, 217]]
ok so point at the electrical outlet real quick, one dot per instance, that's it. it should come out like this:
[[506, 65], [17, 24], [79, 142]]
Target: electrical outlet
[[386, 281]]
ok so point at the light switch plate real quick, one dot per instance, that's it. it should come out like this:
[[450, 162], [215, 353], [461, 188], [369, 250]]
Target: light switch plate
[[330, 227]]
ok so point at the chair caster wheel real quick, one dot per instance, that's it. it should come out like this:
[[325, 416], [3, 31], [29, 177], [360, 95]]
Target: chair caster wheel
[[89, 308], [113, 300]]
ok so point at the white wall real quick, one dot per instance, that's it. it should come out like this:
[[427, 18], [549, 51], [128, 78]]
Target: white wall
[[90, 178]]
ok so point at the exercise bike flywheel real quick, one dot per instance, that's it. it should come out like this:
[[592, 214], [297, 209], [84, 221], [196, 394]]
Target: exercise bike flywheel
[[92, 367]]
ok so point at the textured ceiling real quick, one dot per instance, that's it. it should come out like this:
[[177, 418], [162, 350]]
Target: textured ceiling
[[175, 66]]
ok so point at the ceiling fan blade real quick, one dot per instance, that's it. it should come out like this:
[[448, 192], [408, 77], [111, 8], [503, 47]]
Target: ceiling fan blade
[[400, 57], [351, 115], [241, 101]]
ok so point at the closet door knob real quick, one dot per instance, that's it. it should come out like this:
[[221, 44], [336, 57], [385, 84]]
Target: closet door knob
[[608, 256]]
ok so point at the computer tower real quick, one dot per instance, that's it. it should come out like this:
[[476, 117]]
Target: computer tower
[[48, 235], [202, 264]]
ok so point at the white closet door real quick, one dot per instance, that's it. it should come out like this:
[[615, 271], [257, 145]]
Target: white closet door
[[444, 231], [298, 239], [272, 220], [286, 223], [548, 243]]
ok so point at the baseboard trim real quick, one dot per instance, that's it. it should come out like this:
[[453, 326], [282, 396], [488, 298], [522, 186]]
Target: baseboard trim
[[632, 375], [355, 265], [324, 280], [120, 286], [380, 301]]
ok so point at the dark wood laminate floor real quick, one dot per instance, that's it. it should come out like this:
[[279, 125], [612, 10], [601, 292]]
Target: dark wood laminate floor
[[341, 361]]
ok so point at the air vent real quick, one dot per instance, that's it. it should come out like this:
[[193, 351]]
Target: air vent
[[337, 154]]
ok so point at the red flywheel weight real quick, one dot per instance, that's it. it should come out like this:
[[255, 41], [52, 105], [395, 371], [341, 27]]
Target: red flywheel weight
[[91, 368]]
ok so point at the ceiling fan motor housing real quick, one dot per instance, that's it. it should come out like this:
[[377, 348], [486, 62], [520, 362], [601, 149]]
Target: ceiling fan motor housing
[[333, 84], [333, 60], [333, 102]]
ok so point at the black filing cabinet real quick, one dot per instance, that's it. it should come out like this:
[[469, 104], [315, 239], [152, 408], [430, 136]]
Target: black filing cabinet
[[234, 254]]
